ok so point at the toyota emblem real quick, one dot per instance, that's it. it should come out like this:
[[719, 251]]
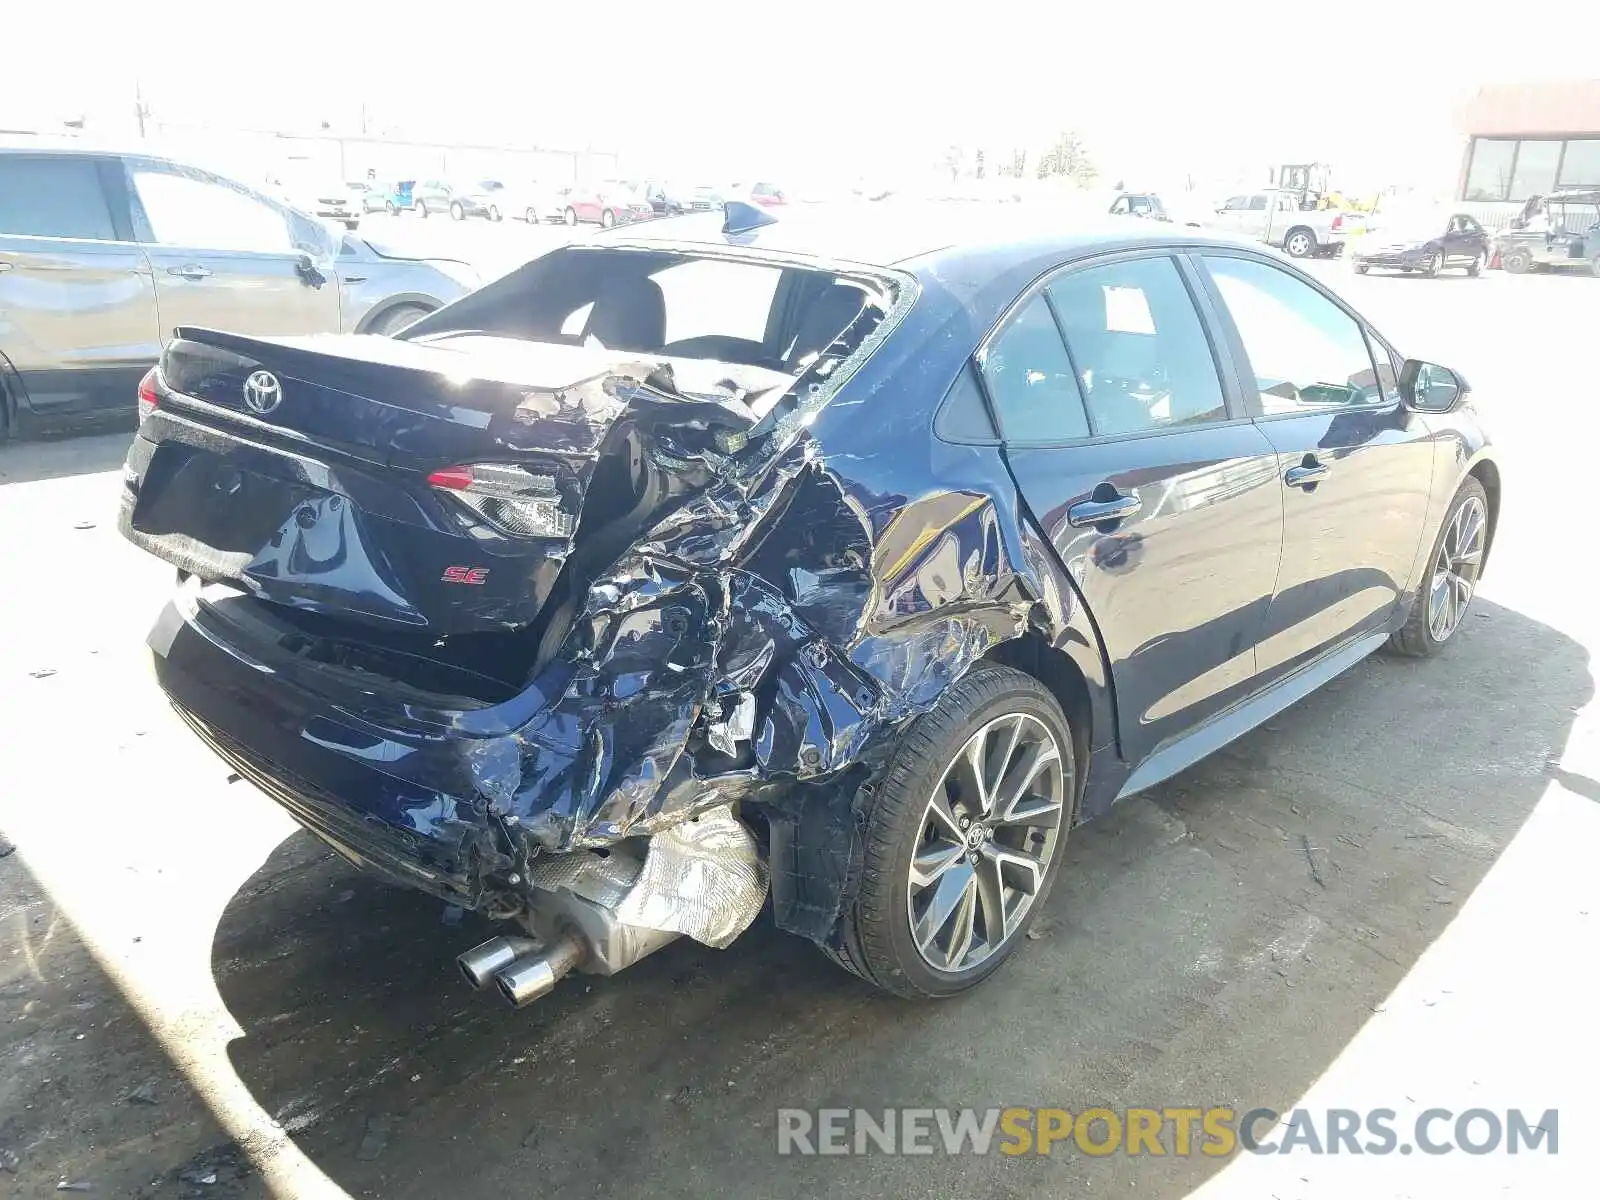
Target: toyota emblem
[[262, 392]]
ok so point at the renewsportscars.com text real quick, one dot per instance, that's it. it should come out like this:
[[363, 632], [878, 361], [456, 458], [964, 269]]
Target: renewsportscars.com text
[[1179, 1132]]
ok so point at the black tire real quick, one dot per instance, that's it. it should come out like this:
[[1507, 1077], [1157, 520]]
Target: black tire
[[397, 318], [570, 216], [390, 207], [875, 936], [1434, 264], [531, 216], [1475, 267], [422, 208], [1516, 262], [494, 212], [1416, 638], [1594, 266], [607, 218], [1300, 242], [1362, 268], [457, 213]]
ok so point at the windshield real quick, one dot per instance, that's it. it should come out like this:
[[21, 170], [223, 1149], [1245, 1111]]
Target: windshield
[[489, 185]]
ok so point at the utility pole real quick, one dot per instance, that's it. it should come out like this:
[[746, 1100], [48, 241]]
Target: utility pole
[[140, 111]]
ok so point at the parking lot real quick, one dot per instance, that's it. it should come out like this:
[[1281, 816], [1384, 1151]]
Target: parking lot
[[198, 999]]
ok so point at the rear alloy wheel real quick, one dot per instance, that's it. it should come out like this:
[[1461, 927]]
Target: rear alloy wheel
[[457, 213], [1517, 262], [494, 212], [1452, 580], [1301, 243], [1476, 266], [570, 216], [963, 839], [1434, 264], [607, 218]]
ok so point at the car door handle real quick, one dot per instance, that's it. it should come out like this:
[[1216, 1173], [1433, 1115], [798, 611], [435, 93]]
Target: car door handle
[[190, 271], [1308, 474], [1094, 512]]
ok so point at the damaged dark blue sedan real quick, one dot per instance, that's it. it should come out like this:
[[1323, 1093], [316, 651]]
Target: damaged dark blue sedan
[[851, 559]]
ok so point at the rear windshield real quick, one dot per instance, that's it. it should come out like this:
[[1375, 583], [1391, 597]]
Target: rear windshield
[[675, 304]]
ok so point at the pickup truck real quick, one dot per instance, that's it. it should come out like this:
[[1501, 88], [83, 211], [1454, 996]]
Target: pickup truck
[[1275, 217]]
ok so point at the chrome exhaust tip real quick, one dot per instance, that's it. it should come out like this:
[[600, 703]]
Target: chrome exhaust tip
[[480, 963], [535, 975]]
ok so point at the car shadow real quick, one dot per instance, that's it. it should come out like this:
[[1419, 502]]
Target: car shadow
[[1279, 891], [88, 1097], [37, 457]]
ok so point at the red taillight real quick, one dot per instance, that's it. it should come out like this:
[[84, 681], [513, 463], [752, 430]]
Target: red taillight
[[454, 479], [149, 395], [511, 499]]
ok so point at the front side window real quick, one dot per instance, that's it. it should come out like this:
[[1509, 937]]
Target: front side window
[[1257, 204], [53, 197], [1305, 351], [192, 211], [1031, 381], [1142, 356]]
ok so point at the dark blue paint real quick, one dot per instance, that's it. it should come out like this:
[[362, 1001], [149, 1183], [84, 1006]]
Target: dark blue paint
[[844, 569]]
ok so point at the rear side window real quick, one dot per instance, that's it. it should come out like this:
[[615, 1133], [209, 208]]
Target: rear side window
[[53, 197], [1305, 351], [1031, 380], [1143, 359]]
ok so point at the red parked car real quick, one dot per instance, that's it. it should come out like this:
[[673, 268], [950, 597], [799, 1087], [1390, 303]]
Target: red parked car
[[768, 195], [606, 205]]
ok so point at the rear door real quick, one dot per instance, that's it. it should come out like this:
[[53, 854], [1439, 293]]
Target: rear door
[[227, 258], [1355, 468], [77, 304], [1130, 445]]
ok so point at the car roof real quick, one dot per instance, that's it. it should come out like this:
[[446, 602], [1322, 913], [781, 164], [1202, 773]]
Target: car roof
[[922, 235]]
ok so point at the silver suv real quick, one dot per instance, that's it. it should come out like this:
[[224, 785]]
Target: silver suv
[[103, 254]]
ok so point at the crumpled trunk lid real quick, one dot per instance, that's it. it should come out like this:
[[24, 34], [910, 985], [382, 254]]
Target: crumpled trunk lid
[[326, 473]]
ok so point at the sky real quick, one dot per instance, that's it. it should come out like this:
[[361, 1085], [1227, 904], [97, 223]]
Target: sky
[[820, 87]]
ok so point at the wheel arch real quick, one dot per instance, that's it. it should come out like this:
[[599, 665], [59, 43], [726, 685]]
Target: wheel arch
[[1487, 473], [428, 304], [1034, 656]]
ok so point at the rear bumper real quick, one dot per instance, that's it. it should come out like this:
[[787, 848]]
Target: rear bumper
[[398, 801]]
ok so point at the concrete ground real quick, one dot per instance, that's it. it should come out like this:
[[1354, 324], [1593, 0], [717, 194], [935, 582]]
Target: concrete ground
[[197, 1000]]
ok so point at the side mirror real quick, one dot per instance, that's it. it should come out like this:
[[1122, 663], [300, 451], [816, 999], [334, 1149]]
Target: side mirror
[[1429, 388], [306, 267]]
